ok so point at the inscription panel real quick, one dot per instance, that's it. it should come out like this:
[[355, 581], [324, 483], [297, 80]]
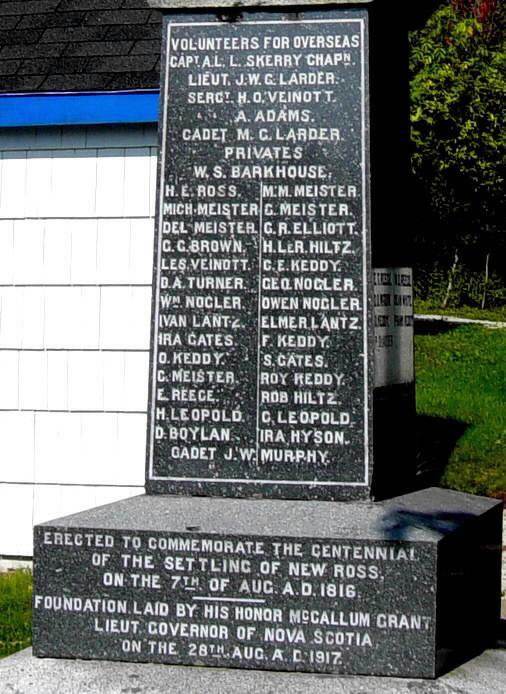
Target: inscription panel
[[393, 326], [322, 605], [260, 350]]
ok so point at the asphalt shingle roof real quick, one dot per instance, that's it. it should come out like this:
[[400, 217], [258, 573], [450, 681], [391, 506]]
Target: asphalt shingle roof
[[78, 45], [88, 45]]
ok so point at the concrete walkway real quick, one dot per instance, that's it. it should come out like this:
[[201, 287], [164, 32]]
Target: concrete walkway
[[24, 674], [460, 321]]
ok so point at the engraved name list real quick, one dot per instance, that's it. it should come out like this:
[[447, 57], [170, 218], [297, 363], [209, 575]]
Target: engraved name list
[[260, 338]]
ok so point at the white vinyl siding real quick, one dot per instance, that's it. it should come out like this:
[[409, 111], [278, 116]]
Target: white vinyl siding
[[76, 245], [24, 505]]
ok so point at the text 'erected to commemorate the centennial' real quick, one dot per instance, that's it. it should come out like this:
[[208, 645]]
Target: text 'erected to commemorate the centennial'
[[280, 603], [260, 342]]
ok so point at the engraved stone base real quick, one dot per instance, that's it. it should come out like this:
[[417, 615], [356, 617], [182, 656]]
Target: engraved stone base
[[408, 587]]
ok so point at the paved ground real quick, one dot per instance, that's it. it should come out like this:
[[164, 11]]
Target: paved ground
[[460, 321], [23, 674]]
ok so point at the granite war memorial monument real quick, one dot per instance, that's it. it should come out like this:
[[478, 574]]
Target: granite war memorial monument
[[280, 529]]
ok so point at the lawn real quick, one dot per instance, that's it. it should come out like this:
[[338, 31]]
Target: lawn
[[461, 387], [15, 611]]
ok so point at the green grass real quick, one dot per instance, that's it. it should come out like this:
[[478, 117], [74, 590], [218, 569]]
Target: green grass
[[430, 307], [15, 611], [461, 375]]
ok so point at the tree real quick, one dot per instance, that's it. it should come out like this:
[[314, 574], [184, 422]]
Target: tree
[[458, 67]]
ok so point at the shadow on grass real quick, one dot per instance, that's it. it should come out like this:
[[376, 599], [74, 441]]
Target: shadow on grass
[[436, 438], [434, 327]]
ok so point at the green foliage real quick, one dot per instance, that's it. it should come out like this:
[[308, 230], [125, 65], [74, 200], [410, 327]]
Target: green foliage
[[461, 375], [489, 14], [457, 116], [458, 64], [431, 281], [15, 611], [458, 86]]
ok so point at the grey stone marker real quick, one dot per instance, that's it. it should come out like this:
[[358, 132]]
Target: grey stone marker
[[264, 320], [281, 369]]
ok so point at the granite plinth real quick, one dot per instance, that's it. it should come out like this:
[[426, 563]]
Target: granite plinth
[[22, 672], [356, 588]]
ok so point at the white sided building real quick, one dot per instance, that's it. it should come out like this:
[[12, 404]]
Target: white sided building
[[78, 150]]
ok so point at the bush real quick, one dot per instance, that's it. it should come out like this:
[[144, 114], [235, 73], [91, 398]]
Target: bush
[[467, 287], [458, 134]]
